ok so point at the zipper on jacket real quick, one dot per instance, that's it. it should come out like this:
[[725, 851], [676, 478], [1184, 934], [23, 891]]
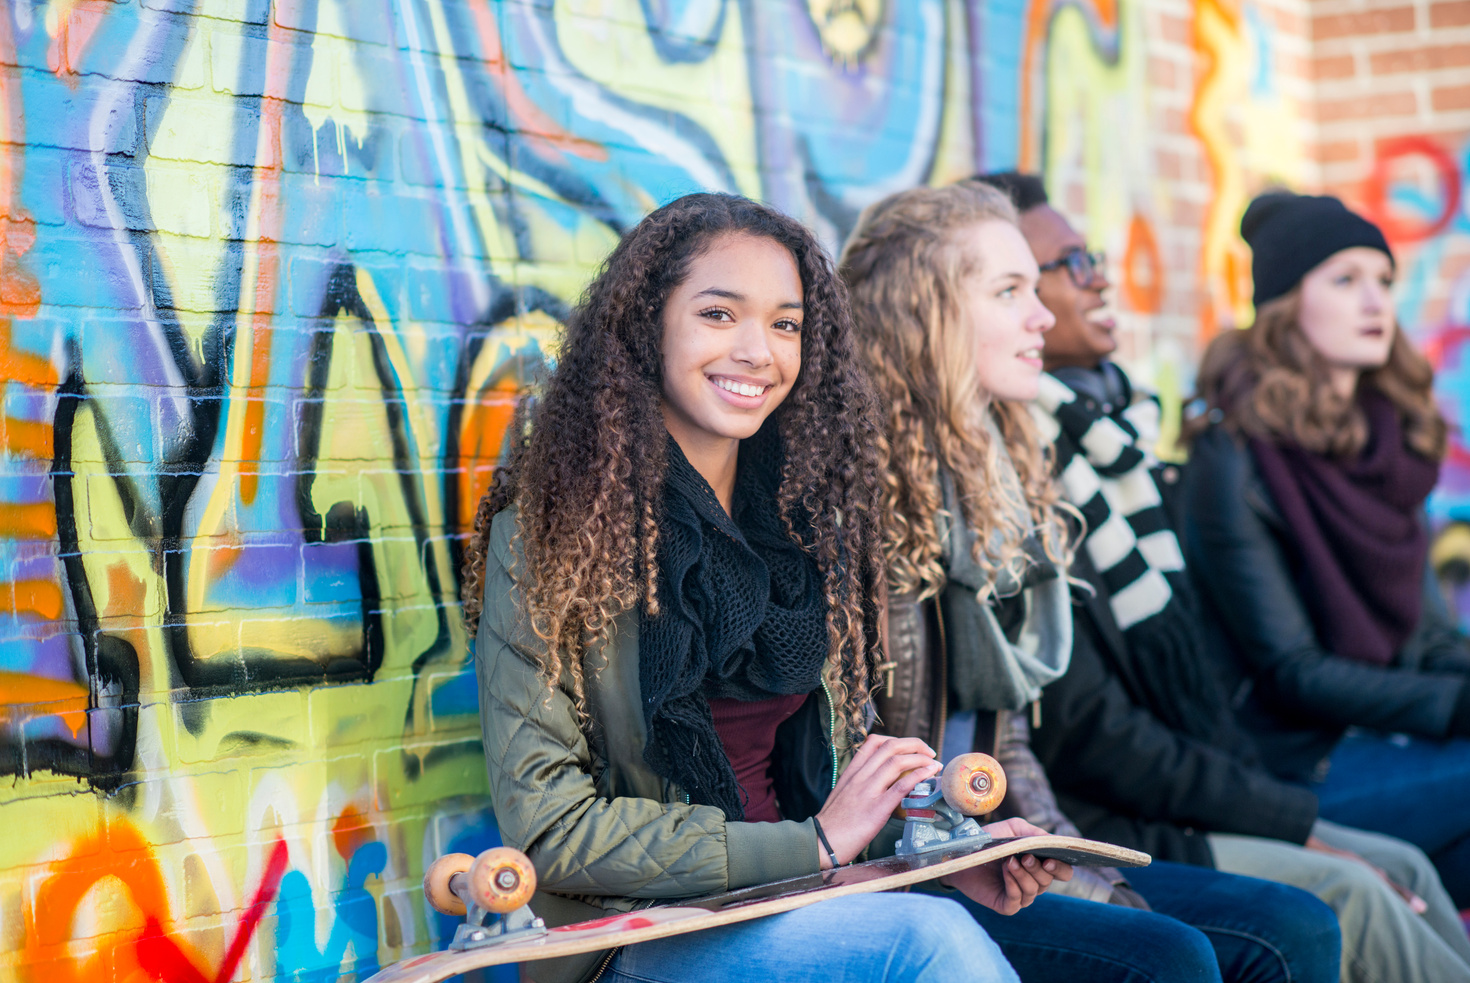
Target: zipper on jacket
[[831, 730], [611, 955]]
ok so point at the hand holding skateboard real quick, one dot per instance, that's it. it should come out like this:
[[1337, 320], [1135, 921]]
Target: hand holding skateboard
[[990, 865], [1010, 885], [881, 773]]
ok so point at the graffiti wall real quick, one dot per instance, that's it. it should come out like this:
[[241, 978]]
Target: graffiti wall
[[271, 274]]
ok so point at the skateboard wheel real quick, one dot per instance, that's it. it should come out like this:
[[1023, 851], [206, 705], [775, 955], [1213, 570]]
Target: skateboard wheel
[[436, 883], [502, 880], [973, 784]]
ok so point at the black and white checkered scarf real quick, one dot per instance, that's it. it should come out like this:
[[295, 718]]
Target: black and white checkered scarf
[[1107, 476], [1105, 471]]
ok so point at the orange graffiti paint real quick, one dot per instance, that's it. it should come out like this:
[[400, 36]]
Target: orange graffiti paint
[[27, 438], [279, 53], [1102, 13], [155, 953], [37, 598], [27, 520], [126, 596], [23, 367], [23, 695], [1143, 280], [350, 831], [481, 439]]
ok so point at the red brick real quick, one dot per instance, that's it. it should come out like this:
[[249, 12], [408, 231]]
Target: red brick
[[1177, 29], [1285, 21], [1450, 13], [1171, 168], [1334, 67], [1162, 72], [1450, 98], [1293, 66], [1367, 22], [1367, 107], [1421, 59], [1187, 213], [1336, 152]]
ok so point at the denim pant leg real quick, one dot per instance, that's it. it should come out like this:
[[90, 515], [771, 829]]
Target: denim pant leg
[[1383, 941], [1263, 932], [861, 938], [1061, 940], [1414, 788]]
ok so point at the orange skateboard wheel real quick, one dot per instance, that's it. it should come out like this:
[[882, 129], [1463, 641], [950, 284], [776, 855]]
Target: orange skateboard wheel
[[973, 784], [502, 880], [436, 883]]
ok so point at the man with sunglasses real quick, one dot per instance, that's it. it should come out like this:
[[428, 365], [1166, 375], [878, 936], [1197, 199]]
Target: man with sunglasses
[[1140, 745]]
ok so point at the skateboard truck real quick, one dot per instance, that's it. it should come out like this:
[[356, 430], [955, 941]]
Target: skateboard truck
[[499, 881], [938, 810]]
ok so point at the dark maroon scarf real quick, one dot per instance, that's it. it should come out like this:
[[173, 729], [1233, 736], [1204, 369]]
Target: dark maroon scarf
[[1358, 531]]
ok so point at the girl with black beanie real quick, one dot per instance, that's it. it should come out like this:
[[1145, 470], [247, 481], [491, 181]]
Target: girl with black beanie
[[1318, 444]]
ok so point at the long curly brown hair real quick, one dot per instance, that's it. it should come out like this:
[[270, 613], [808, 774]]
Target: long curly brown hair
[[588, 458], [1267, 381], [906, 277]]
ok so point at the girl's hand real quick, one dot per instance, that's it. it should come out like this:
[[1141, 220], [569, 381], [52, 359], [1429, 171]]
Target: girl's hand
[[1009, 885], [883, 771], [1416, 904]]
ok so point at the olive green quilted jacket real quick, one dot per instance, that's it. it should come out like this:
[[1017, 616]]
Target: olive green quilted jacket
[[605, 833]]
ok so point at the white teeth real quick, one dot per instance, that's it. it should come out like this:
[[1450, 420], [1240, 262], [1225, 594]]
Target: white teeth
[[740, 388], [1031, 353]]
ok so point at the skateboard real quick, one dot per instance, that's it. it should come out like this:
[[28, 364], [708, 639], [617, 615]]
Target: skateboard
[[939, 839]]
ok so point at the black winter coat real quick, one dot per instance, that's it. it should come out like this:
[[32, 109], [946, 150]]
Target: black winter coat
[[1295, 697], [1126, 777]]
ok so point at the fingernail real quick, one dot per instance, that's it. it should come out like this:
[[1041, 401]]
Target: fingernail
[[1050, 866], [1030, 861]]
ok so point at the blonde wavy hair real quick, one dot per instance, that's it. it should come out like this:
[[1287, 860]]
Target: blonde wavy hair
[[905, 273], [1268, 382]]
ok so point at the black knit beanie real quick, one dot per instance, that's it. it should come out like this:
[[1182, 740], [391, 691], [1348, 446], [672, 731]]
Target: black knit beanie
[[1289, 234]]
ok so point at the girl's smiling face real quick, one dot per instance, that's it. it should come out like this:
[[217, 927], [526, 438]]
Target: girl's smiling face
[[1006, 318], [731, 342]]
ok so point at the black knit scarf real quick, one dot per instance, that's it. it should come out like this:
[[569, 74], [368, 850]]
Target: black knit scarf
[[743, 617]]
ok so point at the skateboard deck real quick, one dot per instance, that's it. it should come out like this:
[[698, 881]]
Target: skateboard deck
[[885, 874]]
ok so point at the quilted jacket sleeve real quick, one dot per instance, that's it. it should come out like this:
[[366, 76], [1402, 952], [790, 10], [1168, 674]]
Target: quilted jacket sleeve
[[546, 802]]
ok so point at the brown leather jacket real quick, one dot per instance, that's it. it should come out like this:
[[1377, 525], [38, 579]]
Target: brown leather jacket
[[913, 701]]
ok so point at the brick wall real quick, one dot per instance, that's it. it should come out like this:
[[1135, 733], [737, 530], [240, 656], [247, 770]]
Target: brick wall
[[272, 271]]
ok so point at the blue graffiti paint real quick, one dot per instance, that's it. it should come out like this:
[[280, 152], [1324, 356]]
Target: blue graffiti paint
[[354, 924]]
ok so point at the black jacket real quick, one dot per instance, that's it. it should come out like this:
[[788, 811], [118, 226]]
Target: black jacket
[[1126, 777], [1293, 695]]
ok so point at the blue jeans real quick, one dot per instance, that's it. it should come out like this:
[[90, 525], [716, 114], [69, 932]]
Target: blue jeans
[[862, 938], [1415, 788], [1206, 926], [1260, 930]]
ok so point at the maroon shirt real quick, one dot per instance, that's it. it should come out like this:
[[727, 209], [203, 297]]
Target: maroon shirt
[[748, 732]]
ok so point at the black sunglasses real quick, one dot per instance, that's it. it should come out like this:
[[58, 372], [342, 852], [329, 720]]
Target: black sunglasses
[[1082, 266]]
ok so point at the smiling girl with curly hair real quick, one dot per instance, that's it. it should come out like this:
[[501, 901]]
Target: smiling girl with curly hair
[[675, 584]]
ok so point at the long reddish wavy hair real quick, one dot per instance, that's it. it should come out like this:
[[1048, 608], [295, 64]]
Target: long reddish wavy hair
[[587, 461], [1267, 381]]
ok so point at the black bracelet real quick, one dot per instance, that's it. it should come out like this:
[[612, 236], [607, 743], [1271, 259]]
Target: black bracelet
[[831, 853]]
